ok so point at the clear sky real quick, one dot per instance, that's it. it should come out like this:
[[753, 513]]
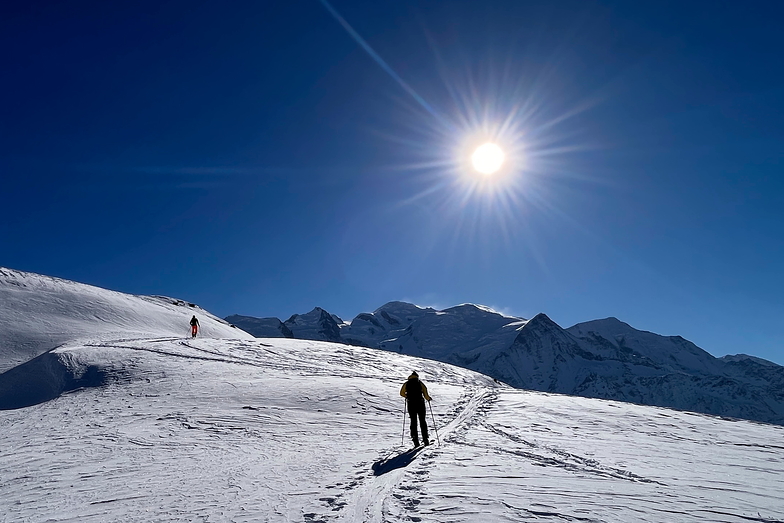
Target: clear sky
[[263, 158]]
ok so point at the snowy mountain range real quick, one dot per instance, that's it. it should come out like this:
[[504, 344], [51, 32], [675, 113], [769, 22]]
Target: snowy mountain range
[[597, 359], [125, 417]]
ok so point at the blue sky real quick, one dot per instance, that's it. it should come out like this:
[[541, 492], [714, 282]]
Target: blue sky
[[254, 158]]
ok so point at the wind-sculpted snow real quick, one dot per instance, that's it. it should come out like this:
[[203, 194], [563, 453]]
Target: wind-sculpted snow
[[38, 313], [281, 430], [45, 378]]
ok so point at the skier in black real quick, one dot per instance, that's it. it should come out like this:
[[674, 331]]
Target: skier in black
[[415, 393], [194, 326]]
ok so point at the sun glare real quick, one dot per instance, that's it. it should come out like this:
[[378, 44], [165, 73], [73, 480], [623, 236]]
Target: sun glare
[[488, 158]]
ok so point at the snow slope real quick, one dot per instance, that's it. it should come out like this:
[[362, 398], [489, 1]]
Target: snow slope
[[292, 430], [38, 313], [168, 428], [667, 352], [600, 359]]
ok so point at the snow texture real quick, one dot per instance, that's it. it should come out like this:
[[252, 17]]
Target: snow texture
[[600, 359], [162, 427], [38, 313]]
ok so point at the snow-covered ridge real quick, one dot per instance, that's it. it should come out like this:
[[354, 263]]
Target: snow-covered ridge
[[38, 313], [602, 358], [743, 358]]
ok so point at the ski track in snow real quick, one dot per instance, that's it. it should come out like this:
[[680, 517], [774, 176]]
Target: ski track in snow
[[289, 430], [369, 499]]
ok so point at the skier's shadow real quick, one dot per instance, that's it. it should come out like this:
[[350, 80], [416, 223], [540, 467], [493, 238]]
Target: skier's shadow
[[395, 462]]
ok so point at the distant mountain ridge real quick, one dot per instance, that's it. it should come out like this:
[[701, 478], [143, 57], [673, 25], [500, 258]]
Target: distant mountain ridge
[[605, 358], [261, 327]]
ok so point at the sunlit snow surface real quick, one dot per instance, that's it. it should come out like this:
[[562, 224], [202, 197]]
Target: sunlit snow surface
[[38, 313], [290, 430]]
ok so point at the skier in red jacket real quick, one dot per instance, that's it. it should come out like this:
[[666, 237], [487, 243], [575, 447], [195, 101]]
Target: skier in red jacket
[[194, 326]]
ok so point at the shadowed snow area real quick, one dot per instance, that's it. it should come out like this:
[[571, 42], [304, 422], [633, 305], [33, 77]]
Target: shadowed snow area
[[127, 419], [44, 378]]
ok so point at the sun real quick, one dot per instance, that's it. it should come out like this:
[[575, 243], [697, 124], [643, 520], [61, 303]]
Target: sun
[[488, 158]]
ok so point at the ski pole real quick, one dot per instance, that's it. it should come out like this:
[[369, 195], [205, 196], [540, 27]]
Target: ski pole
[[403, 435], [434, 422]]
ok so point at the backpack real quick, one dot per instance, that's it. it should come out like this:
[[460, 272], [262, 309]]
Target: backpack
[[414, 391]]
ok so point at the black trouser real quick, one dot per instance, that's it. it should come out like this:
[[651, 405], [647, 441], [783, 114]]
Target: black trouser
[[417, 409]]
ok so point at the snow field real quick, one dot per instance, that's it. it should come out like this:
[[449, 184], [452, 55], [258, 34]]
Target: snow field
[[533, 457], [202, 429], [290, 430]]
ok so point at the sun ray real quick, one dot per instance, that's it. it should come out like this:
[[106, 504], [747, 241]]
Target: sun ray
[[515, 114]]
